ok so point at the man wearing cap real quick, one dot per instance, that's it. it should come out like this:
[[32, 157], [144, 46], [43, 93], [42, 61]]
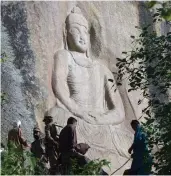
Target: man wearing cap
[[51, 143], [38, 150], [15, 137], [38, 147]]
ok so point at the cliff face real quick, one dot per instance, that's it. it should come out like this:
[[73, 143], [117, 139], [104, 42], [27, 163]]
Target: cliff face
[[19, 82], [31, 34]]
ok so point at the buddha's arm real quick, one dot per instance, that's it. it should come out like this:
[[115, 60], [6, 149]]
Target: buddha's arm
[[59, 83], [116, 114]]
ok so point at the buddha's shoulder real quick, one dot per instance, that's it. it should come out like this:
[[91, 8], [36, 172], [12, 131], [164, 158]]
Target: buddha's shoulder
[[104, 68], [62, 54]]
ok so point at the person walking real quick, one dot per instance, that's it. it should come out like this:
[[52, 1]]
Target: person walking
[[142, 161], [51, 143]]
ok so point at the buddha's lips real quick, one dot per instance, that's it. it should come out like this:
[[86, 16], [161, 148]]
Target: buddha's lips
[[82, 42]]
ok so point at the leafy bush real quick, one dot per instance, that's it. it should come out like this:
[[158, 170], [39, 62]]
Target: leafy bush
[[15, 161], [92, 168], [148, 68]]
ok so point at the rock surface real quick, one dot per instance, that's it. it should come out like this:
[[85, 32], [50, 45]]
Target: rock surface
[[31, 34]]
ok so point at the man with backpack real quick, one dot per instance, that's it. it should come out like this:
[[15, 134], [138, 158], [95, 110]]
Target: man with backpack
[[51, 143]]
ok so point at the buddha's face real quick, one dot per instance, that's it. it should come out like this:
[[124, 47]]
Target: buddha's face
[[78, 38]]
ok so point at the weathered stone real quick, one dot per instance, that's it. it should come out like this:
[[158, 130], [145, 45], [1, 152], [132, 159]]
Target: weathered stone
[[18, 71], [31, 34]]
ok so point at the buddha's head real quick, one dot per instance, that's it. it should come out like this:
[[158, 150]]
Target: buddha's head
[[77, 31]]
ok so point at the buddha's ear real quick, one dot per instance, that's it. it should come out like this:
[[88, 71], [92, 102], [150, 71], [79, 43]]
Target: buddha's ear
[[87, 53], [65, 38], [88, 50]]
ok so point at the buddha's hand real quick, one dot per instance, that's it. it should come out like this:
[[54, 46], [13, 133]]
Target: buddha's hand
[[84, 115], [81, 114], [94, 115]]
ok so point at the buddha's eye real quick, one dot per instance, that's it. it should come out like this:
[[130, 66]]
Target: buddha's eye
[[74, 31], [85, 31]]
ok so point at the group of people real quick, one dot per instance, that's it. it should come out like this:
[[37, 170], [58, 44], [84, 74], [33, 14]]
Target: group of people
[[58, 149], [55, 149]]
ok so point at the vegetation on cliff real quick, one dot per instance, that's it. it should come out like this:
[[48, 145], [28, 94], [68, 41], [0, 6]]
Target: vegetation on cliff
[[148, 68]]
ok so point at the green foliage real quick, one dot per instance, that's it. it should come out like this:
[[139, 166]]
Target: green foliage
[[3, 57], [3, 97], [15, 161], [92, 168], [148, 68], [3, 94], [163, 9], [151, 4]]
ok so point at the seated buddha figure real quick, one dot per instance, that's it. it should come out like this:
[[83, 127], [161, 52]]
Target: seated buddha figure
[[84, 88]]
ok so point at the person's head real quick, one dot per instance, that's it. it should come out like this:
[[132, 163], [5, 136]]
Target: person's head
[[134, 124], [48, 119], [36, 133], [17, 124], [77, 31], [72, 121], [2, 145]]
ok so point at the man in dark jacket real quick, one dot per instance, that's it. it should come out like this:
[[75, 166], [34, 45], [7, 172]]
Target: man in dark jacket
[[38, 150], [38, 146], [68, 137], [51, 143], [68, 146]]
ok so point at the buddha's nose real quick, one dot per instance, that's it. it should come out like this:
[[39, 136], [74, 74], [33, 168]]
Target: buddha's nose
[[81, 38]]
